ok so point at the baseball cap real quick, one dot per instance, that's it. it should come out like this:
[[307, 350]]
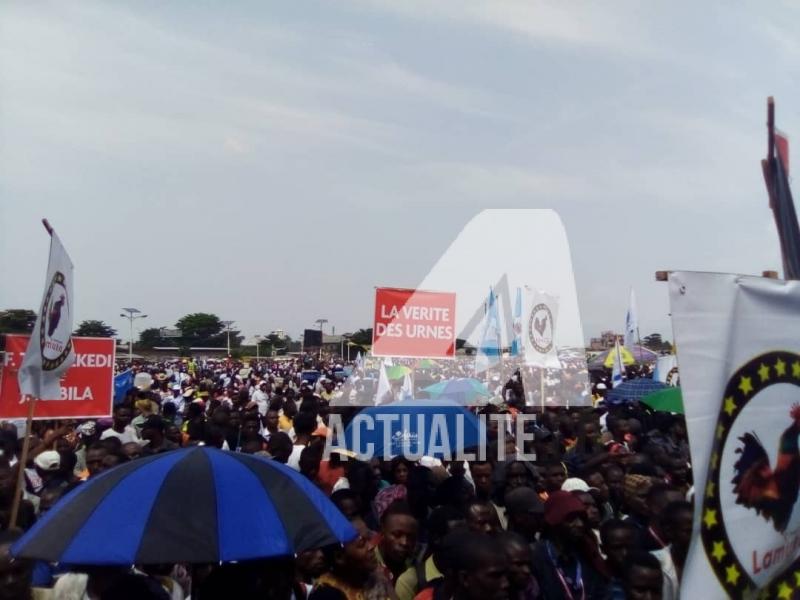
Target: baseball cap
[[575, 484], [49, 460], [560, 505], [523, 499]]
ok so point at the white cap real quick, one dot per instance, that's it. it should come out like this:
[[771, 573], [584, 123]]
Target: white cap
[[575, 484], [50, 460]]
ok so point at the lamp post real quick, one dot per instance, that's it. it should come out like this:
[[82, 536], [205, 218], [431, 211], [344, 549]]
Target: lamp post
[[228, 330], [258, 345], [320, 322], [132, 315]]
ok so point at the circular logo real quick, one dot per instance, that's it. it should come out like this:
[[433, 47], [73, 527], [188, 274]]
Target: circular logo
[[673, 377], [755, 473], [55, 339], [540, 328]]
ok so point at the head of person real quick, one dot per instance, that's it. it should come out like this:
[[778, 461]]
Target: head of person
[[481, 472], [553, 474], [48, 498], [310, 459], [597, 486], [525, 512], [280, 446], [47, 464], [132, 450], [676, 524], [271, 420], [479, 568], [593, 517], [399, 468], [121, 417], [618, 541], [250, 427], [565, 519], [518, 555], [153, 430], [304, 424], [517, 475], [481, 517], [355, 561], [398, 533], [347, 502], [173, 434], [615, 481], [636, 490], [441, 521], [310, 564], [94, 458], [15, 573], [660, 496], [643, 578]]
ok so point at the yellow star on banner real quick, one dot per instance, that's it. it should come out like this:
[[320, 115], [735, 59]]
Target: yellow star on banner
[[796, 369], [720, 432], [714, 460], [719, 551], [710, 518], [763, 372], [746, 385], [730, 408], [784, 591], [780, 368], [797, 577], [732, 574], [710, 489]]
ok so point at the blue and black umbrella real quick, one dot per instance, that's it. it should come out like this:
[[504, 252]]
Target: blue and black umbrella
[[632, 390], [194, 505]]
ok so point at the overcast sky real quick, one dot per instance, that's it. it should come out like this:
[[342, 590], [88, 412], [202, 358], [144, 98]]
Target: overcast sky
[[272, 162]]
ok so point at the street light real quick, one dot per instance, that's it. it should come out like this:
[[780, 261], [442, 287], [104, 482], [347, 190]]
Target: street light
[[320, 322], [133, 314], [228, 330], [258, 344]]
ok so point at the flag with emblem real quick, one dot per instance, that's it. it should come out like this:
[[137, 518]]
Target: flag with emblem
[[739, 353], [539, 330], [50, 352]]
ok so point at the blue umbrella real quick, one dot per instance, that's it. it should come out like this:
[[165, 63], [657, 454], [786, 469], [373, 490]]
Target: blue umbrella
[[633, 389], [194, 505], [464, 390], [413, 428]]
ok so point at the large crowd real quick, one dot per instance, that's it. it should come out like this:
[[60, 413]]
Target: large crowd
[[594, 504]]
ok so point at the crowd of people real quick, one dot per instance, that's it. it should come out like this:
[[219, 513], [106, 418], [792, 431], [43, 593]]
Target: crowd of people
[[602, 511]]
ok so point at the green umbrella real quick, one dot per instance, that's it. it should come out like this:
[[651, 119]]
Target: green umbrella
[[667, 400], [397, 371], [426, 363]]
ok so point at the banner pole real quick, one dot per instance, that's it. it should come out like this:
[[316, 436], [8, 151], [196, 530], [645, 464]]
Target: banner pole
[[23, 460], [541, 380]]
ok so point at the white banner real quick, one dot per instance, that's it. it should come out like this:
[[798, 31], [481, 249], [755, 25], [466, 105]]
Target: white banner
[[666, 370], [539, 326], [738, 342], [50, 352]]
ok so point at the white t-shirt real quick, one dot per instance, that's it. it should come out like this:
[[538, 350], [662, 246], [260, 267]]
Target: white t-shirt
[[294, 457]]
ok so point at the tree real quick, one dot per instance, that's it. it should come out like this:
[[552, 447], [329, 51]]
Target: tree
[[17, 320], [199, 326], [656, 343], [93, 328], [151, 337], [362, 337]]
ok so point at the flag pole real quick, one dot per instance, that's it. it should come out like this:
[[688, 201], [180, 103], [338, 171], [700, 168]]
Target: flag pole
[[26, 443]]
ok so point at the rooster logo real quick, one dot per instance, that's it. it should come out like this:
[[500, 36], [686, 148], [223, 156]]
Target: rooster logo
[[772, 492], [539, 334], [54, 316]]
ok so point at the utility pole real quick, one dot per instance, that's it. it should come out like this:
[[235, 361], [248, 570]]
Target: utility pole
[[320, 322], [228, 330], [132, 315]]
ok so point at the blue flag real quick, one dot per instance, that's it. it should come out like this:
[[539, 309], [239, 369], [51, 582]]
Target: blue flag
[[489, 349], [516, 344], [122, 383]]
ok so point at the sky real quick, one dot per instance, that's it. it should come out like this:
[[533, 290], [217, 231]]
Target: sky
[[273, 162]]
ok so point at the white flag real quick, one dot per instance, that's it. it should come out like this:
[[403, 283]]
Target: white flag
[[539, 339], [50, 352], [407, 391], [631, 323], [666, 370], [738, 341], [384, 393], [618, 368]]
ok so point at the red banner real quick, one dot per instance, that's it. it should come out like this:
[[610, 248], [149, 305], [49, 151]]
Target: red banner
[[412, 323], [87, 388]]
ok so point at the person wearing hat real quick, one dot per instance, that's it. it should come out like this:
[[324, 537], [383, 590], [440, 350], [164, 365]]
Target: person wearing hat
[[524, 513], [48, 468], [566, 561], [153, 431]]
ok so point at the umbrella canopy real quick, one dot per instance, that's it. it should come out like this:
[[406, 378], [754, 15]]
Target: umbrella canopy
[[427, 363], [413, 428], [397, 371], [463, 390], [630, 356], [666, 400], [633, 389], [195, 505]]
